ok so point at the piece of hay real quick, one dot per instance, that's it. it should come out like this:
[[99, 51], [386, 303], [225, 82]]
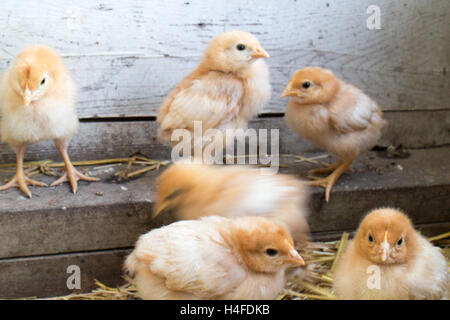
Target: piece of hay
[[46, 166], [125, 292], [315, 285]]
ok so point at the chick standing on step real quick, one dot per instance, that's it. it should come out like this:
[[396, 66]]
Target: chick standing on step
[[213, 258], [191, 191], [37, 102], [225, 91], [333, 114], [388, 259]]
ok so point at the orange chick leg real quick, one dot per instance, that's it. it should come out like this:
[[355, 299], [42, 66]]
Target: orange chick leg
[[327, 168], [21, 180], [71, 175], [329, 181]]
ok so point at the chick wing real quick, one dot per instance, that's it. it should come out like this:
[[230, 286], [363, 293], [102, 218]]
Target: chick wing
[[352, 110], [191, 257], [213, 99]]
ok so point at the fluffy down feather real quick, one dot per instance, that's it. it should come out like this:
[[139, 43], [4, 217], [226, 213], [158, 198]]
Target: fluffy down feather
[[191, 191], [335, 115], [52, 115], [212, 258], [37, 102], [225, 91], [409, 266]]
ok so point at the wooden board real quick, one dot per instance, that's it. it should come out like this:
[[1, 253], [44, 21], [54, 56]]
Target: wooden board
[[101, 140], [416, 129], [126, 56], [56, 221], [47, 276]]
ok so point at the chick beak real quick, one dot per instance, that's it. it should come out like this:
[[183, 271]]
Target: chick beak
[[294, 257], [385, 249], [27, 96], [288, 92], [260, 53], [384, 254]]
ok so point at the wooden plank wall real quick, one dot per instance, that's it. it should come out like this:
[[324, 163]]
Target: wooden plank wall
[[127, 55], [101, 140]]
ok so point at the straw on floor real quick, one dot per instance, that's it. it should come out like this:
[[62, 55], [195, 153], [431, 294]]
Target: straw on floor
[[317, 285]]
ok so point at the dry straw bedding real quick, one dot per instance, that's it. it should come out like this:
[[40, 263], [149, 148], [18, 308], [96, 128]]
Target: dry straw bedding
[[316, 285]]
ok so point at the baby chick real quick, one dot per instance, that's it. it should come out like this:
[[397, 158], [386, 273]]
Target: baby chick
[[225, 91], [388, 259], [333, 114], [213, 258], [191, 191], [38, 103]]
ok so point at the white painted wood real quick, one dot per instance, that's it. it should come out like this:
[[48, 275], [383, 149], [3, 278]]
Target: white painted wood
[[127, 55]]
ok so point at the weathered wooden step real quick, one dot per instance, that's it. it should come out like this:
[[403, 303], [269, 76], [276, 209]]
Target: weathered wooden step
[[36, 235], [47, 276]]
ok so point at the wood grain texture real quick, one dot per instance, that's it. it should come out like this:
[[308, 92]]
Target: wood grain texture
[[416, 129], [126, 56], [102, 140], [56, 221], [47, 276]]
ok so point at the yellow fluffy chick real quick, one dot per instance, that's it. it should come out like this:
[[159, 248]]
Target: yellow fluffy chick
[[225, 91], [335, 115], [191, 191], [213, 258], [38, 103], [388, 259]]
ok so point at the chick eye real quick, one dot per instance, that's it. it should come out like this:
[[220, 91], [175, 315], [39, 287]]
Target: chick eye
[[42, 81], [370, 238], [240, 47], [400, 242], [306, 84], [271, 252]]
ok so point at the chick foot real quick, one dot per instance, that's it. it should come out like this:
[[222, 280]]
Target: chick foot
[[21, 181], [327, 168], [72, 176], [328, 182]]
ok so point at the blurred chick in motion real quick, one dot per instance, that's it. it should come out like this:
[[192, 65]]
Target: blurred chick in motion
[[191, 191], [225, 91], [335, 115], [213, 258], [37, 102], [388, 259]]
